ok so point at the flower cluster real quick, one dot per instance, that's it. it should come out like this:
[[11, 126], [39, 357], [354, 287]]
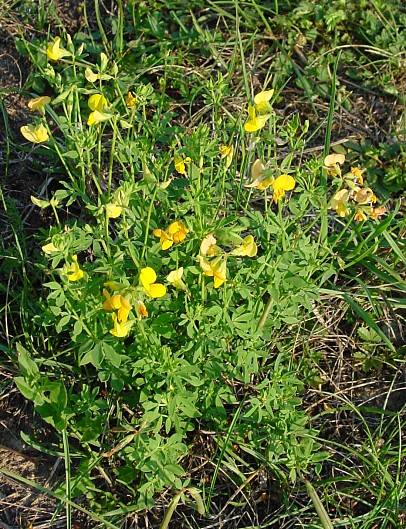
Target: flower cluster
[[175, 233], [260, 112], [121, 308], [261, 180], [125, 299], [71, 270], [213, 259], [353, 195], [98, 104]]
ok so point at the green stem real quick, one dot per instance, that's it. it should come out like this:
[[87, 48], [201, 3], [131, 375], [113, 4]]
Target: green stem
[[68, 507], [265, 314], [111, 162], [144, 247]]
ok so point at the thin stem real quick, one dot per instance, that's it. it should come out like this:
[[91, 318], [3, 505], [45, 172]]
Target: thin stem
[[68, 507], [265, 314]]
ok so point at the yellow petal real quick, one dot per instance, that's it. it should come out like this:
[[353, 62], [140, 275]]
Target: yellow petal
[[90, 75], [97, 102], [115, 301], [257, 169], [141, 309], [156, 290], [35, 133], [264, 183], [219, 269], [218, 281], [157, 232], [225, 150], [49, 248], [120, 330], [356, 172], [284, 182], [248, 248], [123, 313], [363, 196], [332, 159], [54, 51], [263, 109], [263, 97], [342, 210], [180, 165], [174, 227], [130, 100], [113, 211], [256, 123], [207, 243], [166, 241], [175, 275], [38, 103], [147, 276], [360, 215], [341, 197], [75, 272], [97, 117], [205, 266], [377, 212]]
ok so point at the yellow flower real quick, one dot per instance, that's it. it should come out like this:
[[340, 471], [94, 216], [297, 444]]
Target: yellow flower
[[55, 52], [227, 152], [97, 102], [339, 202], [356, 172], [209, 247], [119, 303], [174, 234], [49, 248], [141, 309], [113, 210], [73, 270], [258, 178], [120, 329], [147, 280], [332, 163], [365, 195], [35, 133], [38, 103], [216, 268], [181, 163], [255, 121], [332, 160], [280, 185], [175, 278], [377, 212], [130, 100], [247, 248], [261, 101], [96, 117], [360, 215]]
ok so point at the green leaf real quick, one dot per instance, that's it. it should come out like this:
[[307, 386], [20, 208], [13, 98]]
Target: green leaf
[[368, 320], [40, 202], [95, 357], [27, 365], [111, 355], [321, 511], [25, 388]]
